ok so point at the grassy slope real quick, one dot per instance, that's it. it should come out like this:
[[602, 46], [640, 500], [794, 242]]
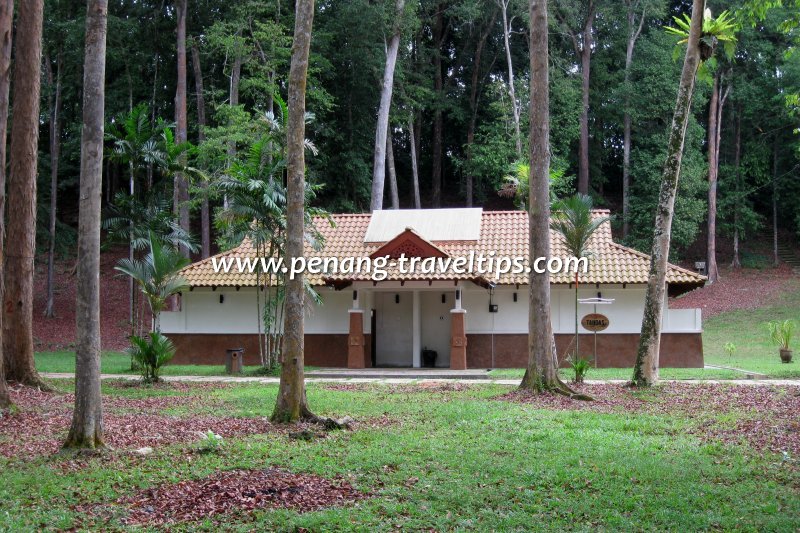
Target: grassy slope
[[457, 460]]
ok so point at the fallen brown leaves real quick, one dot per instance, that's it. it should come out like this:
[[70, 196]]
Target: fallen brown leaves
[[230, 492], [739, 289], [766, 417], [39, 424]]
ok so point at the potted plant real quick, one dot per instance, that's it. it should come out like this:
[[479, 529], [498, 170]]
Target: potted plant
[[780, 334]]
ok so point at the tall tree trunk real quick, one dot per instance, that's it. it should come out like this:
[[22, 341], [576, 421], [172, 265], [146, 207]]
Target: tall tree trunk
[[634, 31], [736, 263], [586, 63], [438, 119], [542, 372], [414, 164], [6, 19], [87, 418], [510, 67], [291, 404], [205, 215], [21, 237], [645, 373], [382, 128], [233, 101], [775, 258], [473, 107], [393, 193], [55, 150], [711, 242], [181, 185]]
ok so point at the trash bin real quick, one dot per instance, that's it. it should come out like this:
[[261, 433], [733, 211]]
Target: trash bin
[[233, 360], [429, 358]]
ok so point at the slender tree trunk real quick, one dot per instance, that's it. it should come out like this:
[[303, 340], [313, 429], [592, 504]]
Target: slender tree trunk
[[205, 215], [586, 63], [87, 418], [233, 101], [542, 372], [6, 19], [633, 34], [414, 164], [711, 243], [438, 119], [510, 67], [736, 263], [55, 150], [473, 107], [291, 404], [775, 259], [382, 128], [646, 369], [393, 193], [181, 186], [18, 308]]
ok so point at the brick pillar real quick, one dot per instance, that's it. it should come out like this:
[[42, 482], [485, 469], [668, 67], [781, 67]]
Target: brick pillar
[[355, 340], [458, 339]]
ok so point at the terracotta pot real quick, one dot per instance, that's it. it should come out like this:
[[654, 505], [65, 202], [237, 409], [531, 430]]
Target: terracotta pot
[[786, 355]]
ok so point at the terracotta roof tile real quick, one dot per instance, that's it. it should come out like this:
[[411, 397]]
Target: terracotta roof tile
[[504, 232]]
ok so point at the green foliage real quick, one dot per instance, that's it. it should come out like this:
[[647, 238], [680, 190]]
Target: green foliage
[[151, 352], [580, 367], [572, 219], [730, 349], [129, 220], [157, 274], [210, 442], [781, 332]]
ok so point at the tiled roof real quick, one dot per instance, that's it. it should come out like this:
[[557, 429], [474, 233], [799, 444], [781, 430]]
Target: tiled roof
[[503, 232]]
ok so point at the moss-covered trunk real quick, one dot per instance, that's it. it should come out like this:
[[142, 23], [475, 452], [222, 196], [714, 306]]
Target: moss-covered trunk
[[645, 371]]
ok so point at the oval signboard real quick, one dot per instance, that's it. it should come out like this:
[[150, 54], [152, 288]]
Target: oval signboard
[[594, 322]]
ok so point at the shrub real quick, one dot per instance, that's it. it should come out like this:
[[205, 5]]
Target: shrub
[[151, 352], [210, 442], [729, 348], [581, 367], [781, 332]]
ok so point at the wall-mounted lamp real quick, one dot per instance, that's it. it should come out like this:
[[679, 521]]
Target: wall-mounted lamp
[[515, 296], [221, 298], [397, 298], [444, 298], [355, 296], [599, 294]]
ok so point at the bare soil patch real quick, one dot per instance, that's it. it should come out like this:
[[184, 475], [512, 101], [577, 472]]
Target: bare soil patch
[[232, 492], [766, 417]]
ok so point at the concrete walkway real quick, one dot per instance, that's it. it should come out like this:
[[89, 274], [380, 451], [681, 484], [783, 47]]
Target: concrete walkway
[[369, 378]]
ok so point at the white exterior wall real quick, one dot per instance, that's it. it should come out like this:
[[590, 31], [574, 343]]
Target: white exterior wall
[[201, 311]]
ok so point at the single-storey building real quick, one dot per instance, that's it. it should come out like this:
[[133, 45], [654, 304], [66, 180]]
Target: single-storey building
[[470, 319]]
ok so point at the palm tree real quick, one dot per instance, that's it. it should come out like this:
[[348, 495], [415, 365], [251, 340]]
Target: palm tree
[[157, 275], [572, 218]]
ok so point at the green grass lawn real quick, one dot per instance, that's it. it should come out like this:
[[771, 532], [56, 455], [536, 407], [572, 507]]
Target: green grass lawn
[[120, 363], [453, 460]]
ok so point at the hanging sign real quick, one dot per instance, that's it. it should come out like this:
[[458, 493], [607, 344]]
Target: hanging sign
[[594, 322]]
